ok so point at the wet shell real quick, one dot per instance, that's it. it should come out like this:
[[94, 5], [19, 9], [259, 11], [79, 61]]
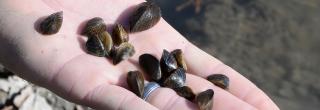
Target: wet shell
[[135, 82], [94, 26], [107, 41], [146, 16], [176, 79], [185, 92], [119, 34], [51, 24], [205, 100], [123, 52], [219, 80], [95, 47], [178, 55], [151, 66], [168, 64], [112, 53]]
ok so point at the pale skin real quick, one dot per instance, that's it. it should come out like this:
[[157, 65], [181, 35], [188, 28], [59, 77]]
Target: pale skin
[[60, 63]]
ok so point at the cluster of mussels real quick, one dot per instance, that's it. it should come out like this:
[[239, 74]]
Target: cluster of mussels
[[117, 47], [169, 71], [101, 44]]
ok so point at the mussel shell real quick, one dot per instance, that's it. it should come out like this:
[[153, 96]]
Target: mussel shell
[[151, 66], [51, 24], [205, 99], [178, 55], [185, 92], [176, 79], [219, 80], [146, 16], [94, 26], [119, 34], [107, 41], [123, 52], [112, 53], [95, 47], [135, 82], [167, 63]]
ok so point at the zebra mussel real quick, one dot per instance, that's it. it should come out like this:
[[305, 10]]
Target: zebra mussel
[[51, 24], [219, 80], [147, 15]]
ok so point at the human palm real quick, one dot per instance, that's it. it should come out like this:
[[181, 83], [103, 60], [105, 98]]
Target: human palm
[[60, 63]]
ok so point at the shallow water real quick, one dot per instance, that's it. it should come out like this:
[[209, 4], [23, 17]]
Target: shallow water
[[274, 43]]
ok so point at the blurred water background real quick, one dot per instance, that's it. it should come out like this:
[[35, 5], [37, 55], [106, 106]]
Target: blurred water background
[[274, 43]]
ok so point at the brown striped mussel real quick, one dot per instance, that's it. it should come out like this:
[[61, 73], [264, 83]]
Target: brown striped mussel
[[205, 100], [119, 35], [51, 24], [178, 55], [106, 41], [185, 92], [219, 80], [150, 66], [176, 79], [167, 63], [146, 16], [94, 26], [99, 44], [135, 82], [123, 52], [95, 47]]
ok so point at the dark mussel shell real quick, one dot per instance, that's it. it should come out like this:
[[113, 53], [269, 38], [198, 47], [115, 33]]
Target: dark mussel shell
[[178, 55], [51, 24], [123, 52], [95, 47], [135, 82], [119, 34], [185, 92], [112, 53], [107, 41], [167, 63], [146, 16], [205, 100], [219, 80], [151, 66], [94, 26], [176, 79]]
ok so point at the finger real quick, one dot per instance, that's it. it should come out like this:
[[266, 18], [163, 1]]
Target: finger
[[167, 99], [222, 100], [110, 97], [203, 65]]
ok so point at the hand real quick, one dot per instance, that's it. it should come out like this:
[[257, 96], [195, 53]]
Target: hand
[[59, 62]]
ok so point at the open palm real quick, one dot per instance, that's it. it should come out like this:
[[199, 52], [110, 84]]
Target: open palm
[[60, 63]]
